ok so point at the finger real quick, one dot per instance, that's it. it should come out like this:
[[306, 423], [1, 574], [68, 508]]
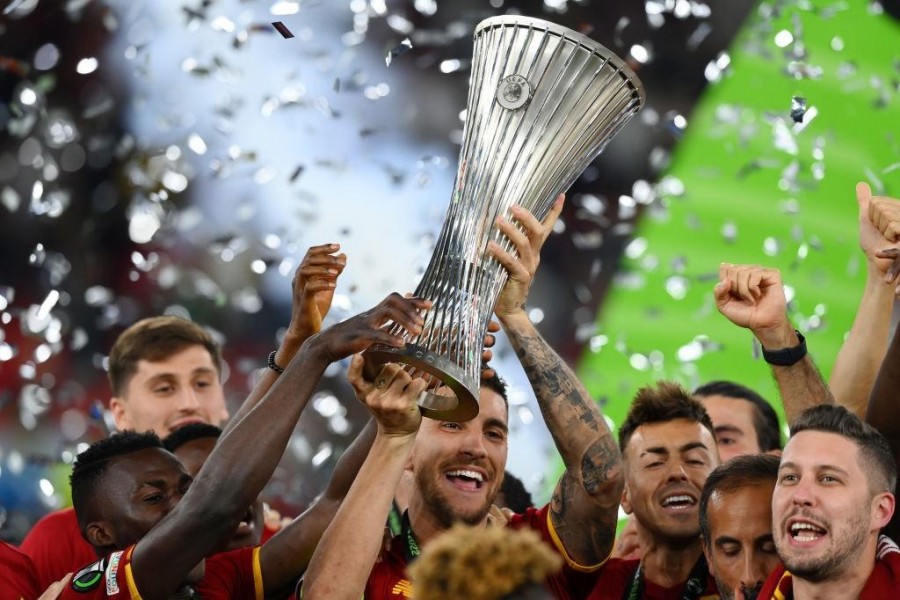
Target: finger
[[486, 355], [513, 266], [356, 375], [725, 271], [392, 378], [488, 373], [742, 288], [330, 272], [528, 221], [894, 269], [518, 238], [323, 249], [323, 261], [553, 216], [320, 285], [722, 292], [753, 283], [493, 326], [489, 340], [863, 197]]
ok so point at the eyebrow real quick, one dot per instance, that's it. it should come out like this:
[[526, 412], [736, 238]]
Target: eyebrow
[[685, 448], [791, 465], [496, 423], [726, 539], [728, 429]]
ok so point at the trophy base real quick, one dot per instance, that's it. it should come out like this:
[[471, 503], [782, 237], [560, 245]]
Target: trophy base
[[459, 407]]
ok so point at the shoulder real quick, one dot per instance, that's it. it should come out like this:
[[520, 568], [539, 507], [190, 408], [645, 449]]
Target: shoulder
[[17, 574]]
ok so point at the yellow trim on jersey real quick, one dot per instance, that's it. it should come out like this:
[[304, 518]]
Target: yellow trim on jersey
[[129, 577], [777, 594], [562, 550], [257, 575]]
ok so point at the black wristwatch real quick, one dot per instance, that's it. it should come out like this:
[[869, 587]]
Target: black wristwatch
[[786, 356]]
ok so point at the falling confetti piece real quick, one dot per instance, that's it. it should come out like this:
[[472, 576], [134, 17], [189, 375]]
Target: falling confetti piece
[[401, 48], [798, 108], [282, 29]]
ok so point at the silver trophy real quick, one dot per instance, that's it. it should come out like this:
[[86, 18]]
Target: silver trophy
[[543, 103]]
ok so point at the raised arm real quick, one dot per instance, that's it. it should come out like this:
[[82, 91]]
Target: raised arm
[[348, 550], [245, 457], [863, 351], [285, 557], [752, 296], [312, 290], [585, 503]]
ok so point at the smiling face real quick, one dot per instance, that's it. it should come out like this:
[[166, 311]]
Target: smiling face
[[824, 512], [458, 467], [741, 552], [666, 466], [164, 395], [733, 419]]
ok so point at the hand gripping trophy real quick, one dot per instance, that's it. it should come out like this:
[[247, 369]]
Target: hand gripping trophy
[[543, 103]]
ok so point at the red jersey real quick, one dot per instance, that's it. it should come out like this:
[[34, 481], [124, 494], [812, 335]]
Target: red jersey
[[233, 575], [884, 582], [56, 547], [388, 579], [617, 575], [17, 577]]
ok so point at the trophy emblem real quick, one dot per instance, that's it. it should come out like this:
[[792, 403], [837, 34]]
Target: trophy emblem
[[543, 103]]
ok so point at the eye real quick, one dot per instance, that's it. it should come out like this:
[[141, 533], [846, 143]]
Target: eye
[[768, 546], [153, 498], [451, 426], [495, 435], [731, 550], [163, 389], [203, 384], [726, 441], [788, 478], [829, 479], [696, 462], [654, 464]]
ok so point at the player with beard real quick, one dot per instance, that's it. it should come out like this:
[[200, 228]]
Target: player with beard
[[736, 524], [458, 467], [132, 495], [833, 496]]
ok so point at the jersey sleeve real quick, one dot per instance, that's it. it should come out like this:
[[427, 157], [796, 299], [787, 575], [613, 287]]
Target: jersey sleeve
[[233, 574], [109, 577], [573, 581], [56, 547], [17, 577]]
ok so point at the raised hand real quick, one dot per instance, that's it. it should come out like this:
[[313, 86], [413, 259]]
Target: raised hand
[[55, 589], [313, 288], [884, 213], [361, 331], [871, 239], [752, 296], [528, 243], [391, 397]]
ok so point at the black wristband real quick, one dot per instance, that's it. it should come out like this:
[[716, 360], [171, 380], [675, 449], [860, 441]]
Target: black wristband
[[271, 363], [786, 356]]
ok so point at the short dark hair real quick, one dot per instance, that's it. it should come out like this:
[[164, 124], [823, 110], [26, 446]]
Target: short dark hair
[[735, 474], [90, 467], [155, 339], [664, 402], [189, 433], [517, 497], [765, 419], [874, 450], [495, 383]]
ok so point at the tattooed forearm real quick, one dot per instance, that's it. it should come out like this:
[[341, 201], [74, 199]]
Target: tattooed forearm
[[587, 540], [801, 387]]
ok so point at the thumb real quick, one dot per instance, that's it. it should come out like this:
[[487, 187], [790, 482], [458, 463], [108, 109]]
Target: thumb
[[863, 197]]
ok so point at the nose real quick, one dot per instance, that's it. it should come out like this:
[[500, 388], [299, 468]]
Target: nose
[[754, 571], [473, 443], [802, 493], [188, 401], [677, 472]]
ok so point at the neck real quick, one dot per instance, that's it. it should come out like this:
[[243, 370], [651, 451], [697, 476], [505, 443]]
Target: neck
[[667, 562]]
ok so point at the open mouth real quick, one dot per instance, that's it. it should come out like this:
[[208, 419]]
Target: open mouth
[[465, 479], [805, 532], [679, 502], [245, 525]]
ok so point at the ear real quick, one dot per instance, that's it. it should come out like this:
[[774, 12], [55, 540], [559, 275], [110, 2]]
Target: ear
[[706, 552], [117, 406], [882, 510], [99, 535], [626, 500]]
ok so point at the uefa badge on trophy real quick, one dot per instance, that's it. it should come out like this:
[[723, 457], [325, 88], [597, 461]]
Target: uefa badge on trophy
[[543, 103]]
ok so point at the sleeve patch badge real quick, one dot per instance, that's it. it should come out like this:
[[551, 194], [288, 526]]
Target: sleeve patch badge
[[89, 578]]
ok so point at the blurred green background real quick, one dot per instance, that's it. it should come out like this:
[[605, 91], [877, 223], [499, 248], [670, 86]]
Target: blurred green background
[[748, 185]]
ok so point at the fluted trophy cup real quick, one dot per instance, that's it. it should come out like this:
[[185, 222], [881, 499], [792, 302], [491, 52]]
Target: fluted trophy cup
[[543, 103]]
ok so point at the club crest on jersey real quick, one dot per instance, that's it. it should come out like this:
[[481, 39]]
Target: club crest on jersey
[[89, 578], [112, 574]]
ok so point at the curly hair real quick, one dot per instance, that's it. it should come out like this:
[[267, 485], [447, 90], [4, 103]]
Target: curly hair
[[482, 563]]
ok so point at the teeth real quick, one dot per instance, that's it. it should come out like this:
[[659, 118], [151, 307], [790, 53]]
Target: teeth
[[464, 473], [677, 499], [806, 526]]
